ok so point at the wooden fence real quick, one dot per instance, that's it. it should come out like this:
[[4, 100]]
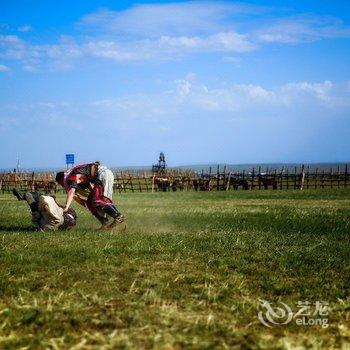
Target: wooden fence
[[220, 179]]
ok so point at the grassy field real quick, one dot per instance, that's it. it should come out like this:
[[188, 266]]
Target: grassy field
[[187, 273]]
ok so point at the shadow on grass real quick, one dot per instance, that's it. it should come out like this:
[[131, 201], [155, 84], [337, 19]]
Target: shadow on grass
[[17, 228]]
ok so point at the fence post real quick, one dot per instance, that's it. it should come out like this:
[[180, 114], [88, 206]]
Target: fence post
[[281, 178], [228, 181], [224, 179], [218, 178], [253, 175], [153, 183], [145, 180], [130, 180], [124, 185], [302, 177], [118, 182], [32, 182], [275, 178], [138, 179], [209, 178], [338, 176], [259, 176], [322, 179], [346, 175]]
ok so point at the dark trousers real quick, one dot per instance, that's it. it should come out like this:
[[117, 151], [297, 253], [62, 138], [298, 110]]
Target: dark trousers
[[100, 206]]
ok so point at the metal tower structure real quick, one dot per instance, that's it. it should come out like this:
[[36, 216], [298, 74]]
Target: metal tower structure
[[161, 166]]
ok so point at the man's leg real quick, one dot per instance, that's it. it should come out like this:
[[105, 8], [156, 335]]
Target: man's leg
[[18, 195], [32, 198], [113, 212], [106, 178], [99, 205], [107, 210], [105, 194], [94, 210]]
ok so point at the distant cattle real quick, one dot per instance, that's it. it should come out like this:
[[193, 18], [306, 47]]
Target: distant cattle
[[48, 186], [177, 185], [163, 183], [201, 185], [235, 183], [167, 183], [266, 182]]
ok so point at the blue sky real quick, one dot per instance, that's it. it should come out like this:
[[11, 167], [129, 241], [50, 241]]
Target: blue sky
[[203, 81]]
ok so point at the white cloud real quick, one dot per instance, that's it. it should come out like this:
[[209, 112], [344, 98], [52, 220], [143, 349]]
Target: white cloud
[[25, 28], [37, 57], [326, 94], [13, 47], [182, 101], [164, 48], [173, 19], [320, 90], [185, 97], [231, 59], [167, 47], [112, 50], [219, 42], [298, 29], [4, 68], [13, 40], [168, 32], [165, 31]]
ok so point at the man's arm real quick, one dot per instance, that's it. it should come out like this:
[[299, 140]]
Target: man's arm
[[79, 200], [70, 196]]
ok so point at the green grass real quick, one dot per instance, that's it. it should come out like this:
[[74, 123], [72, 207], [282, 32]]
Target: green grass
[[187, 273]]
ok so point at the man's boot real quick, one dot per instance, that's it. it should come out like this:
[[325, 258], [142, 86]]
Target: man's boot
[[112, 211]]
